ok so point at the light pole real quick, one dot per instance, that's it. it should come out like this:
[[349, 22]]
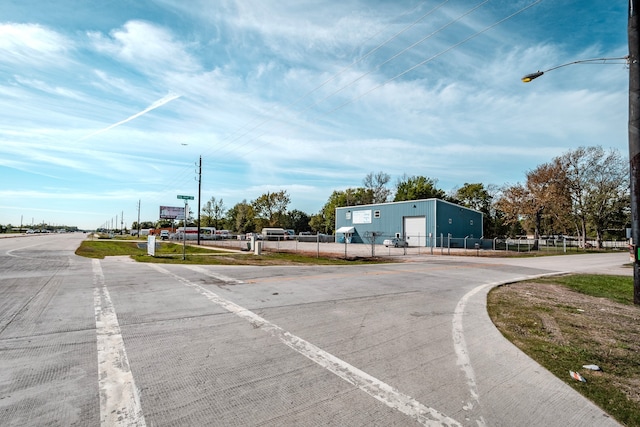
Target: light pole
[[533, 76], [634, 138], [633, 34], [199, 194]]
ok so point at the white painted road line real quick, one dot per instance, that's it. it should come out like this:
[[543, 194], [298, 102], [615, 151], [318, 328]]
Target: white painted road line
[[119, 398], [365, 382]]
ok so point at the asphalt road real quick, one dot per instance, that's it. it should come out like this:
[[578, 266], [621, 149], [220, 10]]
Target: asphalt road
[[113, 342]]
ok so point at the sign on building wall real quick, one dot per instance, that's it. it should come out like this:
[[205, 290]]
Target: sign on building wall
[[362, 217]]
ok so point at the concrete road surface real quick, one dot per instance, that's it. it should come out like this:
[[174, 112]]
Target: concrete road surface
[[87, 342]]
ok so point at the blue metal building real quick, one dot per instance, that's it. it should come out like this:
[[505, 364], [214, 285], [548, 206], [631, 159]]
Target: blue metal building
[[424, 222]]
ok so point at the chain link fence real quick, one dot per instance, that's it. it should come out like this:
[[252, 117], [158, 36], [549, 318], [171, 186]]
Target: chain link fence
[[379, 244]]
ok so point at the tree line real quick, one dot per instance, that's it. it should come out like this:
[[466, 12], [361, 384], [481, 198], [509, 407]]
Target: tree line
[[582, 193]]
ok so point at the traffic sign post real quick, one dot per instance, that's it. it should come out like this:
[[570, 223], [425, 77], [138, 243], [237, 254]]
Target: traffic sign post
[[184, 228]]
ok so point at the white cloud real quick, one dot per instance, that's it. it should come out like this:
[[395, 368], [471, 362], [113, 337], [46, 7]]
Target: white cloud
[[242, 68], [146, 46], [45, 87], [33, 44]]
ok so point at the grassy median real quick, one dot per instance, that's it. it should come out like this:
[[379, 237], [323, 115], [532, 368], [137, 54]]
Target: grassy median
[[171, 253], [565, 323]]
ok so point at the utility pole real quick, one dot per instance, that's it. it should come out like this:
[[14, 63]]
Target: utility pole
[[633, 33], [632, 60], [199, 193]]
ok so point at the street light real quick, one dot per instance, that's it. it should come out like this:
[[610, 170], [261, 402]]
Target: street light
[[533, 76], [632, 60]]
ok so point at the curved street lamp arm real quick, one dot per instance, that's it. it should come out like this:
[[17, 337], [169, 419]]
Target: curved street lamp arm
[[532, 76]]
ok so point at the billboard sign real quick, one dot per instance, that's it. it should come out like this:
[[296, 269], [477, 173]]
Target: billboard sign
[[171, 212]]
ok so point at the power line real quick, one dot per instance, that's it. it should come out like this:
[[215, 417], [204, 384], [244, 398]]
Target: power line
[[370, 71], [369, 53], [343, 70], [433, 57], [260, 123]]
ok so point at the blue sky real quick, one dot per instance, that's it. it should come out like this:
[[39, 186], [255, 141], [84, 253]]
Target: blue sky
[[108, 103]]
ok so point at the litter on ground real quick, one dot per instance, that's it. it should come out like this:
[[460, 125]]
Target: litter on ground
[[592, 367], [576, 376]]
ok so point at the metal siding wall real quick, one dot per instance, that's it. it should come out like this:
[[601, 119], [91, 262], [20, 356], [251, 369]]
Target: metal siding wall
[[461, 218], [436, 212], [391, 219]]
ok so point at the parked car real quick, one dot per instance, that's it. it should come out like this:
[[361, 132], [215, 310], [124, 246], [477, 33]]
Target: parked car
[[164, 234], [395, 242]]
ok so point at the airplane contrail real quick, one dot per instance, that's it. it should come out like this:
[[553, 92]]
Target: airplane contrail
[[158, 103]]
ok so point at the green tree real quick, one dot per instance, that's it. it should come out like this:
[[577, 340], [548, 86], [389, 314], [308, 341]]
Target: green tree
[[325, 220], [213, 214], [270, 208], [241, 218], [143, 224], [297, 220], [417, 188], [165, 223], [474, 196], [477, 196], [355, 197], [319, 223]]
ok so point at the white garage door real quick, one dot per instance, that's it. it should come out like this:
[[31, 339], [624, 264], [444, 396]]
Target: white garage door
[[415, 229]]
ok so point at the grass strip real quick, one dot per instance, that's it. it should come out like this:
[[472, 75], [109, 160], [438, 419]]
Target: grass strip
[[171, 253], [567, 322]]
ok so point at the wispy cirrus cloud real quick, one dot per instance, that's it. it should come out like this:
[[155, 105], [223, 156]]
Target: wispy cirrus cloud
[[45, 87], [74, 81], [32, 44]]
